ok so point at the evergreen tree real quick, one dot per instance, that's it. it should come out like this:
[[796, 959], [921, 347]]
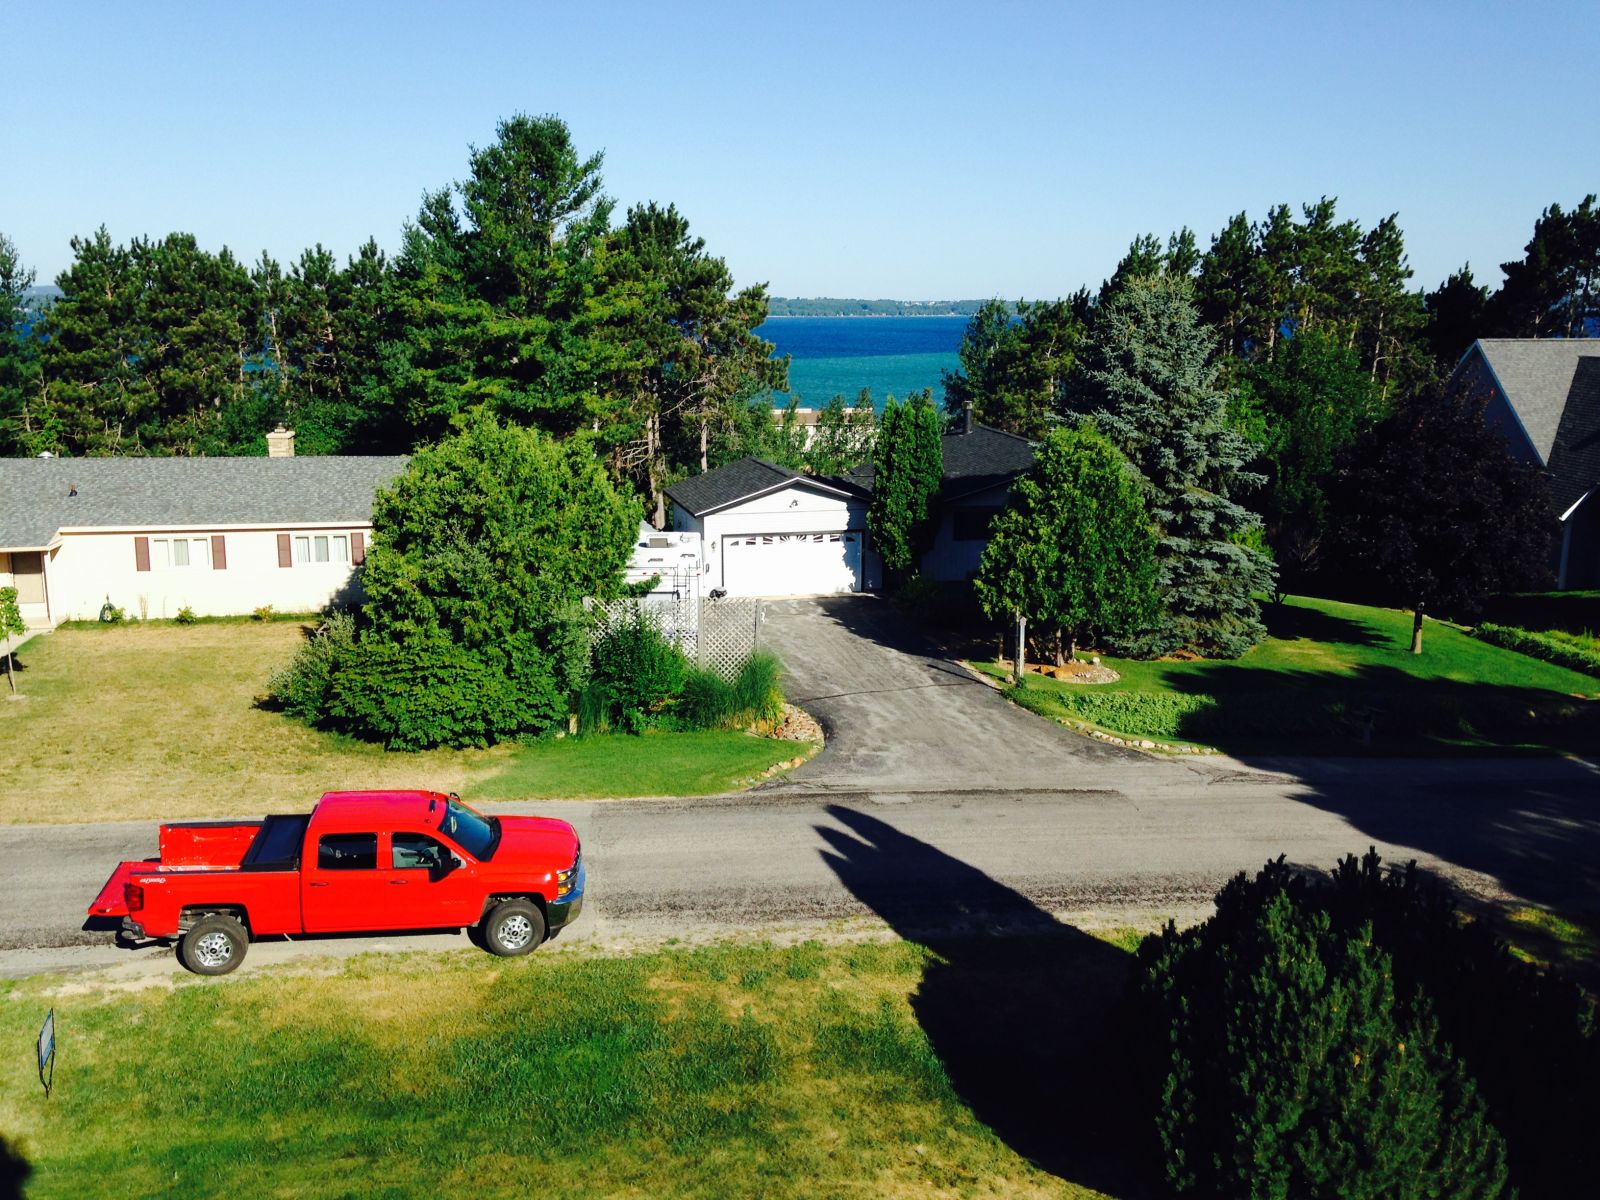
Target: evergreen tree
[[20, 431], [1073, 551], [1013, 369], [1287, 1064], [908, 468], [1554, 290], [1147, 379], [699, 361], [1455, 317]]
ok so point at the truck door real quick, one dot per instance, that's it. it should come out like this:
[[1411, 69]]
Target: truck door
[[441, 887], [341, 887]]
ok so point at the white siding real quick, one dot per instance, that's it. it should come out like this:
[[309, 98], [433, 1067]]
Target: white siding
[[86, 568], [793, 509]]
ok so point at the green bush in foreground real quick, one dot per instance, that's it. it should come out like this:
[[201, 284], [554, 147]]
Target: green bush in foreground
[[1287, 1064], [1563, 649]]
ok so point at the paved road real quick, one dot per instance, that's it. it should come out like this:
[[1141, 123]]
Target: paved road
[[925, 765]]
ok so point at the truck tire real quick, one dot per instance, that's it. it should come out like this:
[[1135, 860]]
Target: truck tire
[[512, 927], [213, 945]]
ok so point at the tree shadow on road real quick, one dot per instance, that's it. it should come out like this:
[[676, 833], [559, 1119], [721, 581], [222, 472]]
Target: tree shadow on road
[[1021, 1009]]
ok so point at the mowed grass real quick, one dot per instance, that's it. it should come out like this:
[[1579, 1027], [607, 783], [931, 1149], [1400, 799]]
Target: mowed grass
[[1336, 678], [725, 1071], [157, 720]]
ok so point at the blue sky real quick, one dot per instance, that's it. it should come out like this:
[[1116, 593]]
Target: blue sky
[[926, 150]]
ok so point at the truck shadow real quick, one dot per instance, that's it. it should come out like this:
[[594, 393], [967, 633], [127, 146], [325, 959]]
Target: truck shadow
[[1021, 1009]]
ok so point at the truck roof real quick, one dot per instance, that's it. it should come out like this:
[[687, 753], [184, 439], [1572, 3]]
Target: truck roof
[[371, 810]]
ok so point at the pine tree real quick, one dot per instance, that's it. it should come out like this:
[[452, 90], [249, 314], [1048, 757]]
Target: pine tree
[[20, 432], [1147, 379]]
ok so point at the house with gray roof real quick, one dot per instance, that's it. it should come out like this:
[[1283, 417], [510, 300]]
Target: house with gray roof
[[1543, 396], [770, 531], [151, 536]]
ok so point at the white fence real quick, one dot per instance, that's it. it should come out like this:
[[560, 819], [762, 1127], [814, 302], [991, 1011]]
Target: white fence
[[719, 635]]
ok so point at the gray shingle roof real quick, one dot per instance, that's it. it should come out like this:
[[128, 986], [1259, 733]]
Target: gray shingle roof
[[187, 492], [743, 478], [1536, 375], [1575, 457], [973, 462]]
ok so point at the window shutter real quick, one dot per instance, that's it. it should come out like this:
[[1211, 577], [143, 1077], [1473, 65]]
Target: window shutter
[[358, 547], [285, 554], [219, 552], [141, 554]]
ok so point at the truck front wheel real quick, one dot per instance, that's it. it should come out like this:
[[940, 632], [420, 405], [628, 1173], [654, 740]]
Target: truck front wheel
[[513, 927], [213, 945]]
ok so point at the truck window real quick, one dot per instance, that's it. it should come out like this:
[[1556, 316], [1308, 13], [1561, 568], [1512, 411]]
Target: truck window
[[348, 852], [408, 850]]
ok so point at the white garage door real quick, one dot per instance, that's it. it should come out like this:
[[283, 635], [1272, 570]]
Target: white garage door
[[791, 564]]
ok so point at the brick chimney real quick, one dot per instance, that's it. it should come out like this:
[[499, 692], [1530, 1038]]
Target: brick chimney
[[280, 442]]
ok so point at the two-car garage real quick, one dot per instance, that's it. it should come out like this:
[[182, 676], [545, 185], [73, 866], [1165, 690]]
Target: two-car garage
[[767, 531]]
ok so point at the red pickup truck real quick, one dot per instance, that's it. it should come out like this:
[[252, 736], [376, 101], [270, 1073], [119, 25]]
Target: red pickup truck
[[359, 862]]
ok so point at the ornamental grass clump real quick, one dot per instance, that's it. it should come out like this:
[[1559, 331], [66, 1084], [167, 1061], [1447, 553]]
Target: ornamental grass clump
[[1286, 1061]]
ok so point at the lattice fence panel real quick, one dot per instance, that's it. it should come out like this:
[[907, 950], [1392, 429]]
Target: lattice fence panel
[[719, 635]]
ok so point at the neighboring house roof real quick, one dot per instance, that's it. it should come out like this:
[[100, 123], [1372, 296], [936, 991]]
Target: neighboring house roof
[[974, 461], [1536, 375], [122, 493], [1553, 387], [747, 478]]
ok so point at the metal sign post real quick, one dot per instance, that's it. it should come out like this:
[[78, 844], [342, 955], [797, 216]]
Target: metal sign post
[[47, 1052]]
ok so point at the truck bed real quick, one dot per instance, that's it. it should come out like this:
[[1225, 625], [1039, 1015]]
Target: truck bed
[[193, 847]]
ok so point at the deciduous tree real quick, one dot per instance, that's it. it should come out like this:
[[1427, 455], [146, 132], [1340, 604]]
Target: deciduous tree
[[1073, 551], [1436, 514]]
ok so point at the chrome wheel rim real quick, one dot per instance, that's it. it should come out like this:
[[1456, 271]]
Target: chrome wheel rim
[[515, 931], [213, 950]]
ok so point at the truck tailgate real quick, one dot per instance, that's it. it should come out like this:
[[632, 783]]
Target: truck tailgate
[[110, 901]]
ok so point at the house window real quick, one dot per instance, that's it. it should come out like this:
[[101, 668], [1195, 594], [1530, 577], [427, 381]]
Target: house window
[[972, 524], [322, 548], [180, 552]]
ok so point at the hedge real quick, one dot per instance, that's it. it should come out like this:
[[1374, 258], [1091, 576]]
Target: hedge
[[1562, 650]]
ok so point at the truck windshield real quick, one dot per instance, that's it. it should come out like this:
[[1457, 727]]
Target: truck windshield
[[473, 832]]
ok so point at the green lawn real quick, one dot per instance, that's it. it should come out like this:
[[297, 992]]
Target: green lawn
[[716, 1072], [157, 720], [1339, 678]]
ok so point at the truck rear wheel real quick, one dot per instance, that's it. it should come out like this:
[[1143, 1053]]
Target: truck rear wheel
[[213, 945], [513, 927]]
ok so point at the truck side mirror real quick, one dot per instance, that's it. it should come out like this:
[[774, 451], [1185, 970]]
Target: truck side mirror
[[442, 866]]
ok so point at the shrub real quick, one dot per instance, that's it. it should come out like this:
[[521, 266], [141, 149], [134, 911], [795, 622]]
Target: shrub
[[264, 613], [1288, 1062], [185, 616], [635, 676], [303, 688], [1564, 650]]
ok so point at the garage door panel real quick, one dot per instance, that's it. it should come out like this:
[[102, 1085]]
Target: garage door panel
[[792, 564]]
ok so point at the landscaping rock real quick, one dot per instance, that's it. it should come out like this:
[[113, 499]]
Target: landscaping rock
[[796, 725]]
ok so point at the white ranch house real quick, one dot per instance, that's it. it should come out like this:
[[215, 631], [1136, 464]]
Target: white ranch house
[[222, 536]]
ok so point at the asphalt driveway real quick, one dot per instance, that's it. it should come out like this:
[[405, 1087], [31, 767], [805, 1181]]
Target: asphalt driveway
[[902, 718]]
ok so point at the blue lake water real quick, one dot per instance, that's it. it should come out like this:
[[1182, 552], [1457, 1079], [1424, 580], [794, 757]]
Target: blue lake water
[[841, 355]]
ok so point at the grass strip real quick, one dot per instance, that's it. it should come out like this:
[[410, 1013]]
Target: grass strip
[[726, 1071]]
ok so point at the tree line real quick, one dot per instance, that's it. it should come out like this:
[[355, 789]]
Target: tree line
[[515, 290], [1280, 398]]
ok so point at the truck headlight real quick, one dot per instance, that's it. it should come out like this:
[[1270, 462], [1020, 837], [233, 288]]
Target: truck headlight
[[567, 880]]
